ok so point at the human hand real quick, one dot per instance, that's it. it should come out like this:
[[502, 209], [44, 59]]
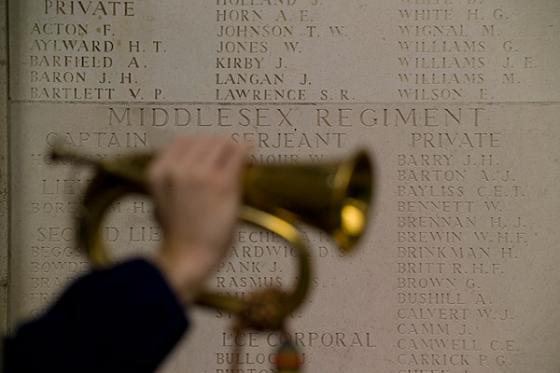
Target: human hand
[[195, 182]]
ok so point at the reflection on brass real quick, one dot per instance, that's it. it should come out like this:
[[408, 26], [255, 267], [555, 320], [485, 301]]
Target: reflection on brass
[[331, 196]]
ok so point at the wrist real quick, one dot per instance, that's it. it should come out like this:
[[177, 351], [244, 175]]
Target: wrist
[[186, 270]]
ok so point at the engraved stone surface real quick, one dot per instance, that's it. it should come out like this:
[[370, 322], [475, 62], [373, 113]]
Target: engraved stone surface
[[458, 101], [3, 169]]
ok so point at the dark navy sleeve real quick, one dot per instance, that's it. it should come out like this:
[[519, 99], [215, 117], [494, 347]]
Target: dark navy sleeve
[[123, 319]]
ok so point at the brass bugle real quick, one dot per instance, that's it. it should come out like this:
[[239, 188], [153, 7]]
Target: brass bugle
[[332, 196]]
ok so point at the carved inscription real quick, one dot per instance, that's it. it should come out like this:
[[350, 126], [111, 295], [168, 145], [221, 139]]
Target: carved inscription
[[456, 101], [456, 51], [452, 238]]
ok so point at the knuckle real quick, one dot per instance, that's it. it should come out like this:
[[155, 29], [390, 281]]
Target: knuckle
[[215, 180], [176, 174], [224, 183], [198, 177]]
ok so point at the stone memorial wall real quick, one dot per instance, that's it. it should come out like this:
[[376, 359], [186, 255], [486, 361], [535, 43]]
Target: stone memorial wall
[[457, 100]]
